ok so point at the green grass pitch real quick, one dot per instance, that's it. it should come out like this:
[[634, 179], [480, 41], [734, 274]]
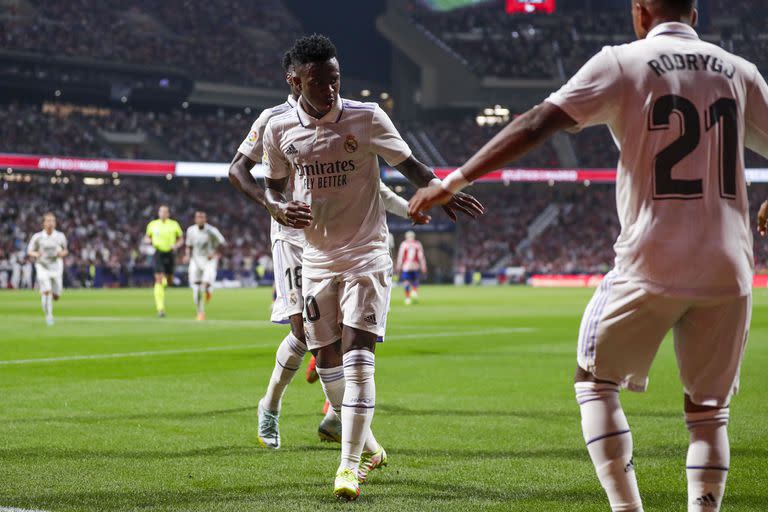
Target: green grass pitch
[[113, 409]]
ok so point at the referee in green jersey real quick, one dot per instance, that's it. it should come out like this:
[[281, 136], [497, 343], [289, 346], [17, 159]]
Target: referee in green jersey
[[166, 236]]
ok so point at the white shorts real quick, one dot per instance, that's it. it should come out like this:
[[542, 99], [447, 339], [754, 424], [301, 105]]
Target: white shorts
[[359, 301], [49, 281], [624, 325], [205, 273], [286, 260]]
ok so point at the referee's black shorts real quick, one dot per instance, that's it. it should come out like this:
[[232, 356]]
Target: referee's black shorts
[[164, 262]]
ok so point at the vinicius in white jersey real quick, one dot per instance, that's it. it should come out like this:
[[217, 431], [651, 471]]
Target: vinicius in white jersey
[[681, 111], [329, 148], [287, 254], [49, 248]]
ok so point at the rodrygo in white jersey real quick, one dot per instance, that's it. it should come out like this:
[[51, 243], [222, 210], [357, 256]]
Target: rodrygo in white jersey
[[203, 242], [334, 163], [680, 110], [49, 247], [253, 147]]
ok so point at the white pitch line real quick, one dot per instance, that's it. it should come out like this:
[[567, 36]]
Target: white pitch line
[[11, 509], [148, 353]]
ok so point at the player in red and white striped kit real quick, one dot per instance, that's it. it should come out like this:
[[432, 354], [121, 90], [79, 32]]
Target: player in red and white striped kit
[[410, 262]]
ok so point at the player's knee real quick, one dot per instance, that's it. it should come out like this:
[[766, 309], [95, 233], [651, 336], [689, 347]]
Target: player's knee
[[329, 356], [297, 329], [591, 391], [711, 418], [55, 296]]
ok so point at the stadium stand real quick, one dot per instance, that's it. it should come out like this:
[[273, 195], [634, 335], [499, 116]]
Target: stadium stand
[[105, 224], [226, 41]]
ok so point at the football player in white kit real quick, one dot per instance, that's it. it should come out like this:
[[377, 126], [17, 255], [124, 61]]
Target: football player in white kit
[[49, 248], [287, 249], [202, 254], [681, 111], [329, 147]]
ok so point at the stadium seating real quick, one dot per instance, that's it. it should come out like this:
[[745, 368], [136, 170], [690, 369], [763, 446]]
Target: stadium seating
[[105, 224], [229, 41]]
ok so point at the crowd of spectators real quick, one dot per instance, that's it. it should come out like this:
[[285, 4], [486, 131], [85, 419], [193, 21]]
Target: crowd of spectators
[[222, 41], [105, 224]]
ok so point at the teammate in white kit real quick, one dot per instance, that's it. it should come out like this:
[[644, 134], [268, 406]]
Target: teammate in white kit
[[49, 248], [681, 110], [330, 147], [410, 262], [287, 249], [203, 243]]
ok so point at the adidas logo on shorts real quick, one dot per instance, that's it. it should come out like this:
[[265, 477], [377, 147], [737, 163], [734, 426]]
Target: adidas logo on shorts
[[291, 150], [371, 319], [706, 501]]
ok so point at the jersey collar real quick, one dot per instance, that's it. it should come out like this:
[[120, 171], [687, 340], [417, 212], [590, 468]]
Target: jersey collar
[[332, 116], [291, 101], [673, 28]]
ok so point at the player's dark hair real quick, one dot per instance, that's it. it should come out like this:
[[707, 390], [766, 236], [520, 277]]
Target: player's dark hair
[[287, 61], [680, 7], [314, 48]]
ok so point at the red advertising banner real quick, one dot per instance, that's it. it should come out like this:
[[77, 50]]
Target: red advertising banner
[[530, 6], [87, 165]]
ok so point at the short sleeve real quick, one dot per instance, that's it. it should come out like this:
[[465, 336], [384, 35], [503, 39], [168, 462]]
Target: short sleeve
[[218, 237], [33, 242], [179, 232], [276, 166], [148, 232], [593, 95], [756, 116], [253, 144], [63, 241], [386, 140], [188, 238]]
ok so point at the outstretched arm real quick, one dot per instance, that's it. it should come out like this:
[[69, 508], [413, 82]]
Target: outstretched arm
[[422, 176], [241, 178], [515, 140]]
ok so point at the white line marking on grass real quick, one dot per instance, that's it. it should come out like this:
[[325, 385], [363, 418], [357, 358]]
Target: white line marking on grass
[[144, 320], [149, 353], [11, 509]]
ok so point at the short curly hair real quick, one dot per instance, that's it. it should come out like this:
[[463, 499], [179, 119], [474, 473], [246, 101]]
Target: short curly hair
[[314, 48], [287, 61]]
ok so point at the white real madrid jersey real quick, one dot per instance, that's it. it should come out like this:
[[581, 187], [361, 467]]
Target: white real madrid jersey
[[681, 111], [49, 247], [203, 242], [253, 147], [334, 164]]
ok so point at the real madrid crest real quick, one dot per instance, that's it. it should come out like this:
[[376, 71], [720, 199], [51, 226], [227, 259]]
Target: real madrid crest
[[350, 145]]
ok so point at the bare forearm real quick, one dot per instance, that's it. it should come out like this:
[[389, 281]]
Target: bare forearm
[[240, 177], [516, 139]]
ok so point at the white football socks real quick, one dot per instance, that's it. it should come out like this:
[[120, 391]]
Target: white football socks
[[197, 296], [709, 457], [288, 359], [358, 405], [609, 442], [332, 380], [47, 302]]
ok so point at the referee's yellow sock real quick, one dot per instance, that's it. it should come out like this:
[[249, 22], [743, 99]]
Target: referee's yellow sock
[[159, 297]]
